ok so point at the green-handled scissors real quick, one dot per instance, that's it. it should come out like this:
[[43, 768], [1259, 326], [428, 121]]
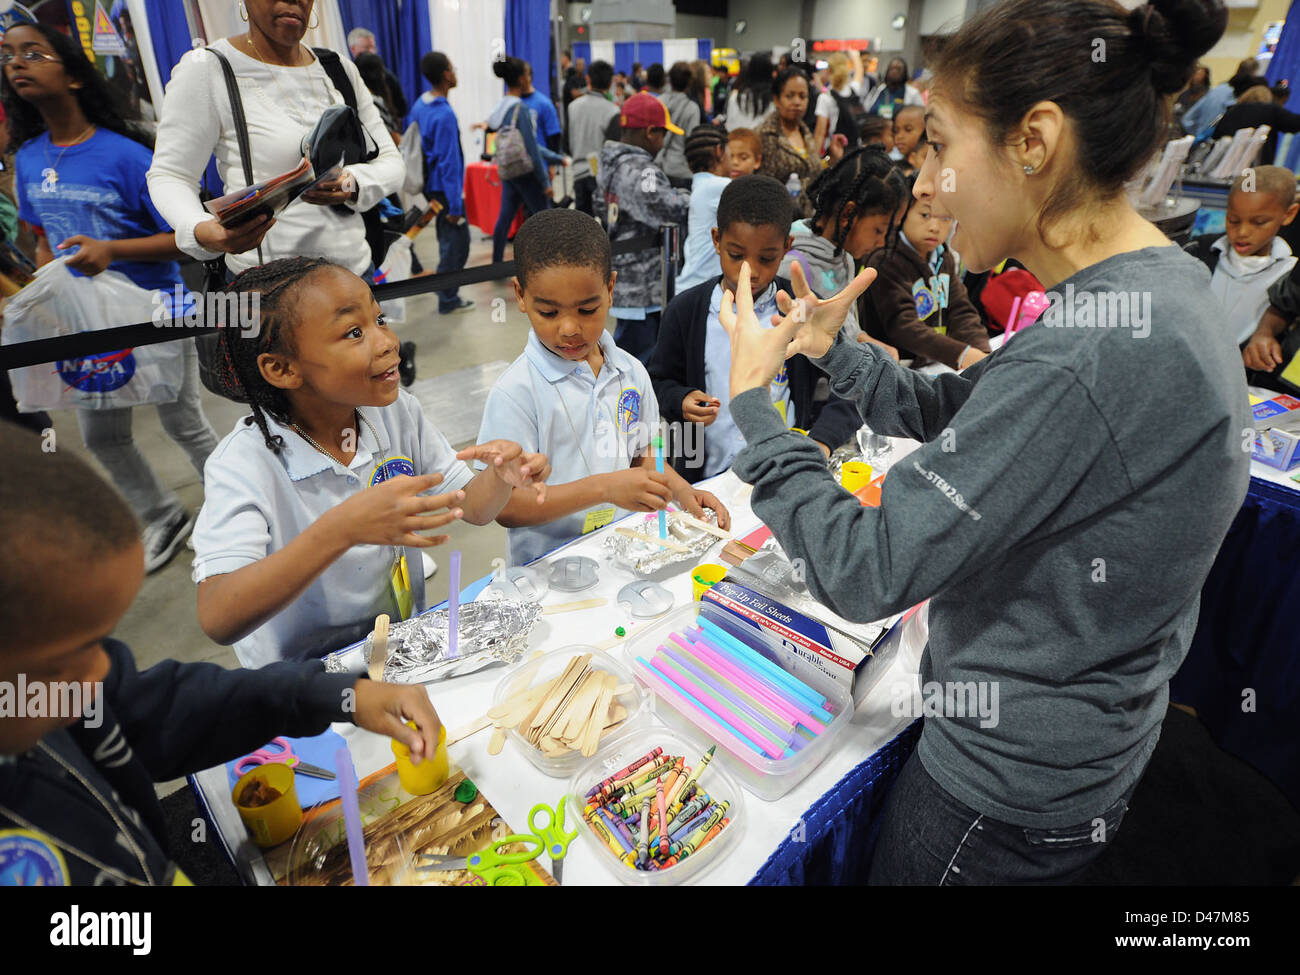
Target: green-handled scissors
[[496, 868], [552, 835]]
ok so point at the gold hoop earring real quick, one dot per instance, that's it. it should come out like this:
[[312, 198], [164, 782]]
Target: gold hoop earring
[[243, 12]]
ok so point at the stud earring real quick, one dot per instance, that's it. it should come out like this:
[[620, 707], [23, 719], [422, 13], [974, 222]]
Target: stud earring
[[1029, 170]]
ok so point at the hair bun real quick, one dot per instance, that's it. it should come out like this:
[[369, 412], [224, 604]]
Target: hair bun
[[1172, 34], [499, 68]]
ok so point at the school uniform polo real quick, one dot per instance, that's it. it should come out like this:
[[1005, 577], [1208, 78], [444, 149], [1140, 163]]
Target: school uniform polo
[[257, 501], [585, 424]]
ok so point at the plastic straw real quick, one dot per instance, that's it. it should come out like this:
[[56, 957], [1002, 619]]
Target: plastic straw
[[782, 706], [453, 605], [730, 693], [1011, 319], [668, 682], [352, 817], [659, 466], [666, 665], [756, 661]]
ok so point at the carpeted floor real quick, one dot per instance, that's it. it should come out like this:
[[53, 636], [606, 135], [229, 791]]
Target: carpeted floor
[[1199, 817]]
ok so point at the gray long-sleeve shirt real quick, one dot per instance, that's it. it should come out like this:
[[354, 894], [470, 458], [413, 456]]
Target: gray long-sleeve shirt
[[1063, 511]]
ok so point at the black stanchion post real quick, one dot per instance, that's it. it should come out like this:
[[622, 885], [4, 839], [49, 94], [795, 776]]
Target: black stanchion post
[[669, 244]]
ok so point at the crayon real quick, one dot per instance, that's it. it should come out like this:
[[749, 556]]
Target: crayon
[[643, 847], [663, 818], [634, 784], [613, 832], [701, 765], [712, 833], [602, 831], [649, 756], [693, 842]]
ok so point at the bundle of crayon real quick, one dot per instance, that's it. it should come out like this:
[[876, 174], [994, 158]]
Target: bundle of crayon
[[628, 809], [730, 689]]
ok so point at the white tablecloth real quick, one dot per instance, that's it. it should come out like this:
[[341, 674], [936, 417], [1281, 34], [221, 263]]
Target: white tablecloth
[[514, 786]]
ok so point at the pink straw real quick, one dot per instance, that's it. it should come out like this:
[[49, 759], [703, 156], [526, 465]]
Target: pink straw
[[1011, 319], [669, 667], [780, 705]]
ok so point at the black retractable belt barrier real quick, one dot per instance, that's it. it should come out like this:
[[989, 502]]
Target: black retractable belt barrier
[[84, 344]]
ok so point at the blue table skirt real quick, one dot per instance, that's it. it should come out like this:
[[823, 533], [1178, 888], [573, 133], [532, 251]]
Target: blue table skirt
[[838, 834], [1248, 638]]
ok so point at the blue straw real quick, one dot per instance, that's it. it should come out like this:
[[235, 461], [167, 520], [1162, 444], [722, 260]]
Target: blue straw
[[659, 466], [702, 709], [756, 660], [730, 697]]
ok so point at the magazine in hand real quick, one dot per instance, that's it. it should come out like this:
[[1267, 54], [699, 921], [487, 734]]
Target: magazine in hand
[[270, 197]]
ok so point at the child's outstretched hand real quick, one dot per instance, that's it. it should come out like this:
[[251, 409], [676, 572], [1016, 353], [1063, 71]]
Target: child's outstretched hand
[[1263, 353], [694, 502], [392, 513], [511, 464], [385, 709]]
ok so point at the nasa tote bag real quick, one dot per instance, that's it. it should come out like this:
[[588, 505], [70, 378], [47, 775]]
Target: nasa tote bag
[[58, 302]]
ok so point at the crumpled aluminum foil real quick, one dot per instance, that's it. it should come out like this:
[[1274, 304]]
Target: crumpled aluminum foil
[[491, 631], [646, 558], [866, 446]]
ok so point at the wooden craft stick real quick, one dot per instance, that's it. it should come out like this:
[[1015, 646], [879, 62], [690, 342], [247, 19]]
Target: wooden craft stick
[[470, 728], [498, 742], [564, 703], [510, 712], [573, 607], [661, 542], [379, 648], [546, 712], [703, 526], [594, 728]]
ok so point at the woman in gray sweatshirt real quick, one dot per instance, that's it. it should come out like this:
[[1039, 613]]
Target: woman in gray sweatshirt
[[1070, 491]]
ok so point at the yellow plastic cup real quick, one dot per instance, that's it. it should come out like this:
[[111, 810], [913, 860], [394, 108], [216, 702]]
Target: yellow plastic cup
[[705, 577], [272, 824], [854, 475], [430, 774]]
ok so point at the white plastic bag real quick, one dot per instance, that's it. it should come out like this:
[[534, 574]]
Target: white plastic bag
[[59, 302]]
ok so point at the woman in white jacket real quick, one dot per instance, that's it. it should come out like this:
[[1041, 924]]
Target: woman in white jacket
[[284, 89]]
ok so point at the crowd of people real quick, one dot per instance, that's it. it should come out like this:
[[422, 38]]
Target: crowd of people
[[787, 180]]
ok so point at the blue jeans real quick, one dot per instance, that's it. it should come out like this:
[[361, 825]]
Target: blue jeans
[[453, 252], [638, 336], [525, 192], [927, 837]]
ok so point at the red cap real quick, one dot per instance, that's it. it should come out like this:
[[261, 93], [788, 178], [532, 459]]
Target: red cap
[[644, 111]]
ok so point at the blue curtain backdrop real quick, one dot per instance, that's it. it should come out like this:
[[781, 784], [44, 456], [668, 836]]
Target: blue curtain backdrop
[[401, 32], [650, 52], [170, 34], [624, 56], [528, 36], [1285, 62]]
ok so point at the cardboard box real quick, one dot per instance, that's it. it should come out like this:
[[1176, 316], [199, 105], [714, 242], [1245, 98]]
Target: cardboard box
[[1273, 411], [853, 654], [1279, 444]]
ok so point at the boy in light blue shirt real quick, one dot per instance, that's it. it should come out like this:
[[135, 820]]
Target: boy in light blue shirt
[[576, 391]]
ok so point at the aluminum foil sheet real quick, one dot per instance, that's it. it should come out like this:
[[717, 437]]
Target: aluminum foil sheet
[[491, 631], [866, 446], [646, 558]]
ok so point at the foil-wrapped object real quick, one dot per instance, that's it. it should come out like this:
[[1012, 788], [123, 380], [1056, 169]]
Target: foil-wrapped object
[[645, 557], [866, 446], [490, 631]]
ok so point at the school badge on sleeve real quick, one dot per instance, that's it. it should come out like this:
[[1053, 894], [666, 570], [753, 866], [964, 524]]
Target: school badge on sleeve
[[629, 409], [28, 859]]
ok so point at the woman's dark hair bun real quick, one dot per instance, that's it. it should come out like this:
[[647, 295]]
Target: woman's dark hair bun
[[1173, 34], [499, 68]]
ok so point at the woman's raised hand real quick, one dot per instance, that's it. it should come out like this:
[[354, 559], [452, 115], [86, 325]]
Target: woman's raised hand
[[757, 353], [817, 320]]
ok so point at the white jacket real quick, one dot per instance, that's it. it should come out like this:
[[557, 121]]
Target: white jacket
[[281, 106], [1243, 291]]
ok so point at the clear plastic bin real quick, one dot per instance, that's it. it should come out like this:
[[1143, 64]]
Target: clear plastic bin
[[767, 778], [530, 673], [620, 751]]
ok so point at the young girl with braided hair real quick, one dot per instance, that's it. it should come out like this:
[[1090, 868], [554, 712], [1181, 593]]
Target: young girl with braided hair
[[857, 204], [316, 501]]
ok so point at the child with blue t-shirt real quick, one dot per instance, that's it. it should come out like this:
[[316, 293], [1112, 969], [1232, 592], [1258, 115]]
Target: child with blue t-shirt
[[80, 182], [314, 505], [577, 396]]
